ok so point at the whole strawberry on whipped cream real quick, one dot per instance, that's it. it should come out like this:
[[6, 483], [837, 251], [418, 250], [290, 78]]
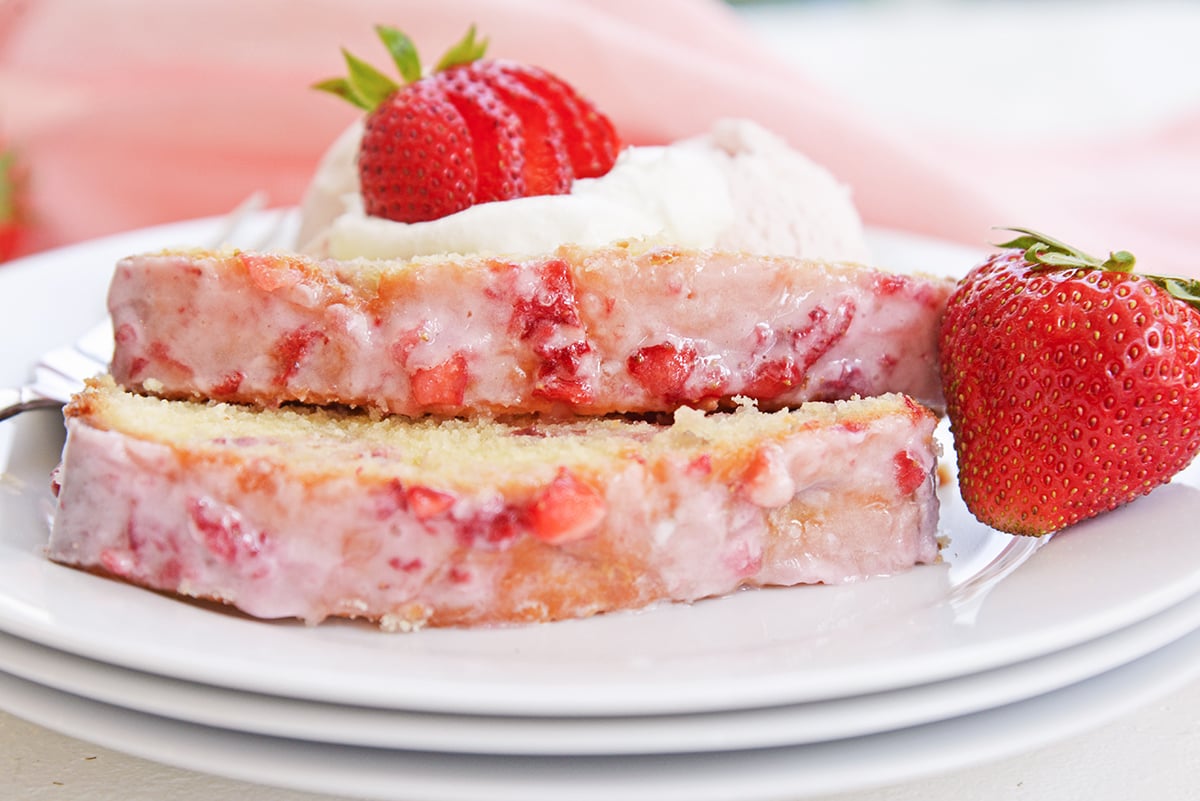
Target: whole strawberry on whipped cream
[[738, 187]]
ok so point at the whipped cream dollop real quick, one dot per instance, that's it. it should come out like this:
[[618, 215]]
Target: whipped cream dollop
[[739, 188]]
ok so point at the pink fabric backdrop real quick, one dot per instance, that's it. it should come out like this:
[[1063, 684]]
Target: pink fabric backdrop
[[135, 112]]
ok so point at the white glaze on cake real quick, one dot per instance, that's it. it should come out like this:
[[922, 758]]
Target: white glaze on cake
[[580, 332], [310, 514]]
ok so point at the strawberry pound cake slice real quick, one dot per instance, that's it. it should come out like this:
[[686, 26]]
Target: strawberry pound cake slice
[[307, 513], [579, 332]]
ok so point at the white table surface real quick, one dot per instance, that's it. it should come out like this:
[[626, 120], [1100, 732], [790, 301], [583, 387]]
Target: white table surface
[[1153, 753]]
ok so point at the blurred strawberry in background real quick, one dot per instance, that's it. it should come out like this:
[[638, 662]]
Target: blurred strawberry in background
[[13, 215]]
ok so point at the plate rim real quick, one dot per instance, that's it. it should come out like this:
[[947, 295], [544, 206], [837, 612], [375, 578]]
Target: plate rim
[[796, 771], [314, 721]]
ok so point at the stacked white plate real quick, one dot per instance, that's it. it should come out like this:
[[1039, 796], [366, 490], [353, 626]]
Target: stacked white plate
[[1009, 644]]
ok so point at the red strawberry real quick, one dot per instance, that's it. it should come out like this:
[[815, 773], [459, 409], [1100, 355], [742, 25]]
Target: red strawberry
[[547, 169], [416, 162], [12, 211], [443, 384], [592, 142], [663, 369], [471, 132], [425, 502], [494, 130], [566, 509], [1072, 385]]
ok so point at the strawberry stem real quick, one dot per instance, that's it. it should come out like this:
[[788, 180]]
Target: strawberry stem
[[369, 85], [1047, 253]]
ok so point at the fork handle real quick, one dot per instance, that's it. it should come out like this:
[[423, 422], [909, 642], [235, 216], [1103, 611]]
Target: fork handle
[[13, 401]]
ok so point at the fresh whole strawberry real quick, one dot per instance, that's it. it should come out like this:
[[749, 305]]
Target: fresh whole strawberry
[[1072, 385], [472, 131]]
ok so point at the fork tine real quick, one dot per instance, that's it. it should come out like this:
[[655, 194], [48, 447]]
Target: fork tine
[[71, 363], [97, 344], [60, 373], [26, 399], [273, 236], [53, 385], [238, 217]]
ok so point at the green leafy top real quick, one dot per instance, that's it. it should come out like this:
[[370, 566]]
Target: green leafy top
[[1047, 253], [367, 87], [11, 181]]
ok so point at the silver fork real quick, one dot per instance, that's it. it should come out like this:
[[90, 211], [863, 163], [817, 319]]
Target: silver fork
[[60, 372]]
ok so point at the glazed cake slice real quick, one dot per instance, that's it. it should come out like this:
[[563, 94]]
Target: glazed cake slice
[[582, 332], [309, 513]]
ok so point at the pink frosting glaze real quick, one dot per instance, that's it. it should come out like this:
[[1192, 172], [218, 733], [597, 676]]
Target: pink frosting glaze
[[578, 332], [830, 503]]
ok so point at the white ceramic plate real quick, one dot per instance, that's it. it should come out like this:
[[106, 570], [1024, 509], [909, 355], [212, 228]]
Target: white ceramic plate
[[767, 774], [754, 649], [819, 721]]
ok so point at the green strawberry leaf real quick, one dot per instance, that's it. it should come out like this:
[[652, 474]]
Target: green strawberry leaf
[[464, 52], [1030, 239], [341, 88], [8, 203], [1122, 261], [1187, 290], [1042, 249], [1044, 252], [368, 85], [403, 52]]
